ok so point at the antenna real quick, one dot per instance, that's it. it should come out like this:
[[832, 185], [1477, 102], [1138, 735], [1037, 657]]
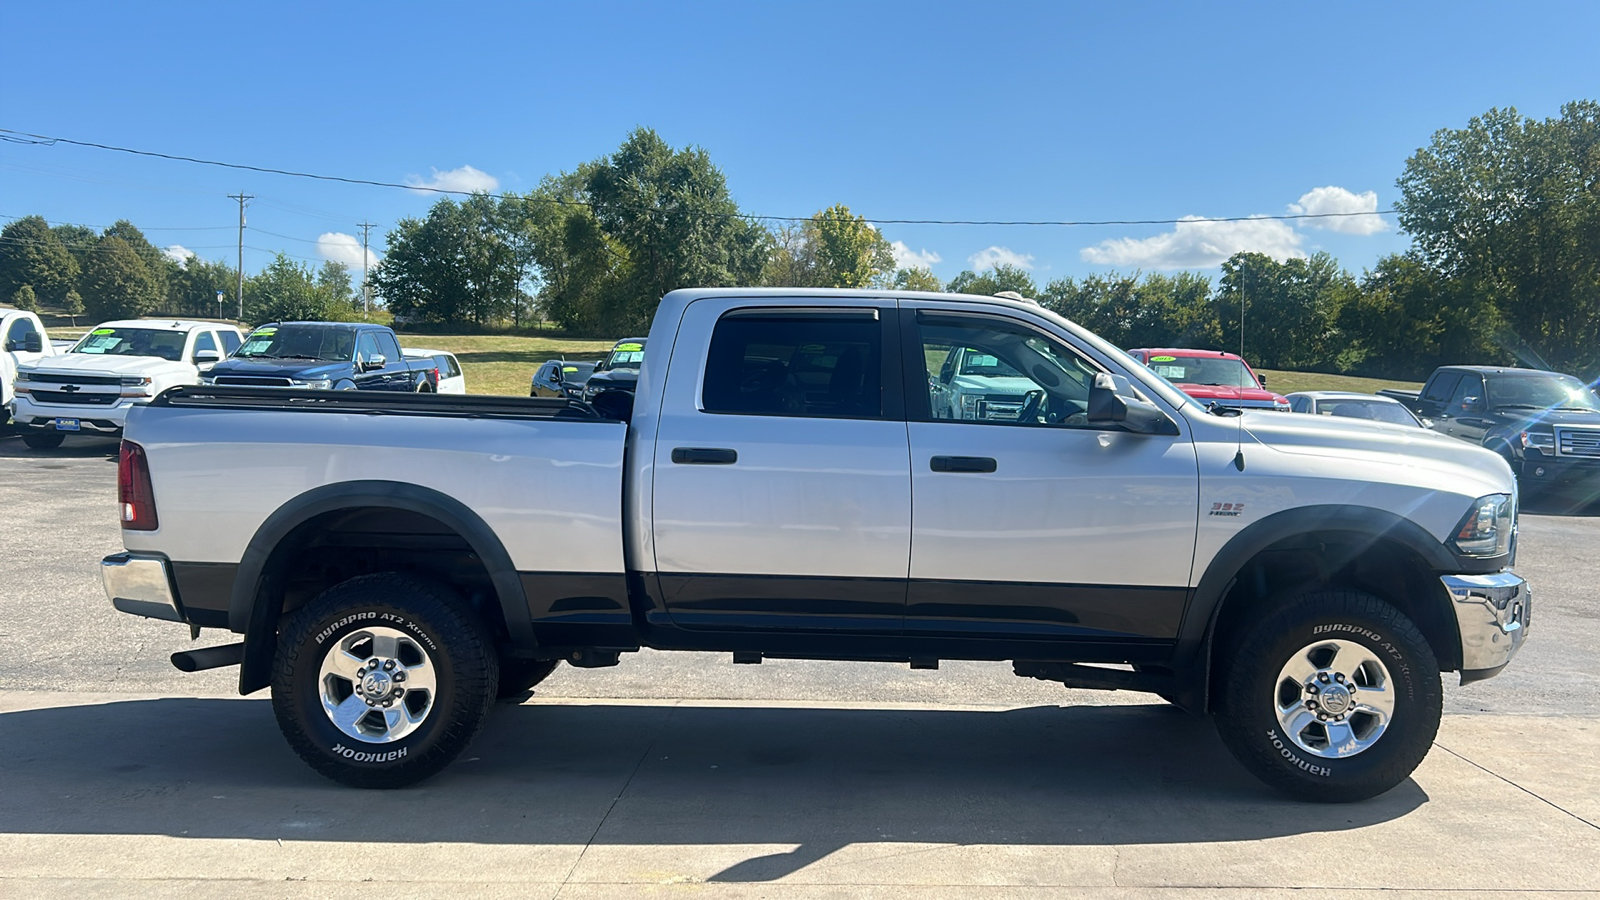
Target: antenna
[[1238, 455]]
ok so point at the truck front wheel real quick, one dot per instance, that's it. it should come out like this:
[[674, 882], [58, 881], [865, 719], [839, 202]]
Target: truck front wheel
[[382, 680], [1335, 697]]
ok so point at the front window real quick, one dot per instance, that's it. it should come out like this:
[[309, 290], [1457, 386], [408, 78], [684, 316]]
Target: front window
[[629, 355], [132, 342], [299, 342], [1541, 392], [1213, 371], [995, 371]]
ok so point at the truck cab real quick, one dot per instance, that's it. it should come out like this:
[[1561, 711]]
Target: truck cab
[[90, 389], [22, 342]]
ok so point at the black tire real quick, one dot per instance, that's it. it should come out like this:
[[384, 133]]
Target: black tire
[[455, 647], [1250, 695], [518, 676], [43, 440]]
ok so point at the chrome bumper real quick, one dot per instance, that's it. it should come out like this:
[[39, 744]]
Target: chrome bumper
[[1492, 613], [141, 586]]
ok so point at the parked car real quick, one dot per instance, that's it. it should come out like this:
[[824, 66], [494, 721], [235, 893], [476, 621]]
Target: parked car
[[976, 384], [1212, 376], [447, 375], [1303, 578], [619, 371], [1546, 425], [1346, 404], [112, 369], [325, 356], [561, 378], [22, 342]]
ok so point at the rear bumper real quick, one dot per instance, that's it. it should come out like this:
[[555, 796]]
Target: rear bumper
[[1492, 613], [141, 585]]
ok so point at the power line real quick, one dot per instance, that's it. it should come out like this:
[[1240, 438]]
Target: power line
[[23, 137]]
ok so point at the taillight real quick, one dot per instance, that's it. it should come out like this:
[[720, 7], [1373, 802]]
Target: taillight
[[136, 500]]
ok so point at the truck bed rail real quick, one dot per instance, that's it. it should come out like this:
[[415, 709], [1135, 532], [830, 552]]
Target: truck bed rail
[[376, 403]]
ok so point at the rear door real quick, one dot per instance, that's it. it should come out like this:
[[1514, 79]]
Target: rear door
[[782, 491], [1037, 525]]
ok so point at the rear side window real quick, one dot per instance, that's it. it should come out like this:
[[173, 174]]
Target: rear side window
[[204, 341], [447, 364], [388, 346], [1442, 387], [822, 365], [230, 342], [19, 331]]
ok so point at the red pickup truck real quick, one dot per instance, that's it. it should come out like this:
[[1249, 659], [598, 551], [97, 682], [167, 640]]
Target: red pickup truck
[[1212, 376]]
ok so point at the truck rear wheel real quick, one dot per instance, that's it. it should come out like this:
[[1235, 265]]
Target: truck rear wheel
[[382, 680], [518, 676], [43, 440], [1333, 698]]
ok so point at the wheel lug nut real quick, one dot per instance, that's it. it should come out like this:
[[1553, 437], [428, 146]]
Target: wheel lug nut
[[400, 676], [388, 665], [1322, 677]]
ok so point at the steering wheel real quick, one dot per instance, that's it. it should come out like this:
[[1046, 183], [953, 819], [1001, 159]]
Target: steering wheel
[[1032, 402]]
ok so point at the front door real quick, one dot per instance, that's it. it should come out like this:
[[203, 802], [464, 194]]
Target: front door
[[1027, 522], [782, 491]]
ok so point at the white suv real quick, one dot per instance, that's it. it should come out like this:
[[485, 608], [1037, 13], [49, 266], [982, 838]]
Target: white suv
[[116, 366]]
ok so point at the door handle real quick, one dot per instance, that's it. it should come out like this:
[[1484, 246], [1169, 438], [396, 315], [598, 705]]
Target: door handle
[[962, 464], [704, 456]]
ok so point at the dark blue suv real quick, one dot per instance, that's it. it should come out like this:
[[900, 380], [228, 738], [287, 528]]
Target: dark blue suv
[[325, 355]]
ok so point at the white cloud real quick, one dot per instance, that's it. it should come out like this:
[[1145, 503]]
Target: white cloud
[[179, 254], [1194, 244], [465, 178], [907, 258], [1332, 199], [345, 248], [989, 257]]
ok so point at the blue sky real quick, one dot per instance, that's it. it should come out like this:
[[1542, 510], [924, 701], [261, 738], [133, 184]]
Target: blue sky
[[1057, 111]]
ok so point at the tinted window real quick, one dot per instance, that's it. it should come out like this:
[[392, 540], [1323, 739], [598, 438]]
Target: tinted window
[[1441, 388], [795, 365], [204, 341], [230, 342], [447, 365], [1468, 394], [387, 345], [366, 347], [20, 329]]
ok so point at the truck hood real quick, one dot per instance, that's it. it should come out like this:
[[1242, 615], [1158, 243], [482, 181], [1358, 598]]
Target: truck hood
[[614, 378], [98, 364], [1516, 419], [303, 369], [1227, 392], [993, 384]]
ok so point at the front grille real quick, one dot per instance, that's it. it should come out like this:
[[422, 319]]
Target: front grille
[[253, 381], [1003, 407], [74, 379], [73, 399], [1578, 443]]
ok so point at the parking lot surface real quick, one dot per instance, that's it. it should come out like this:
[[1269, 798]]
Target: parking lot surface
[[681, 774]]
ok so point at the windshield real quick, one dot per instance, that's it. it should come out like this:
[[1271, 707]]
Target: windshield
[[629, 355], [975, 362], [1203, 370], [1376, 410], [132, 342], [299, 342], [1541, 392]]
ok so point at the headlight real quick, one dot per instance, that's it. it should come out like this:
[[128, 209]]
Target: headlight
[[207, 379], [1539, 440], [315, 384], [1485, 532], [135, 380], [969, 406]]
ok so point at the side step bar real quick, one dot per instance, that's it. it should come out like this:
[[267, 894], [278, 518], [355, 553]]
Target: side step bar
[[209, 657]]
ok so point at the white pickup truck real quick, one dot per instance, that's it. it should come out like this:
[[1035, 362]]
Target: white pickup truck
[[22, 342], [115, 367], [782, 487]]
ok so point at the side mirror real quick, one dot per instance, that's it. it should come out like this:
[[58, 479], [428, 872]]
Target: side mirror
[[374, 362], [207, 356], [1261, 378], [1112, 405], [33, 342]]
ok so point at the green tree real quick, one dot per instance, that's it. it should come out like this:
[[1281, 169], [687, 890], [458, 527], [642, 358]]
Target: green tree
[[465, 263], [1003, 277], [1291, 309], [72, 305], [32, 254], [193, 288], [792, 258], [118, 283], [582, 272], [850, 252], [917, 279], [24, 299], [286, 291], [1158, 311], [671, 213], [1507, 209], [1408, 319]]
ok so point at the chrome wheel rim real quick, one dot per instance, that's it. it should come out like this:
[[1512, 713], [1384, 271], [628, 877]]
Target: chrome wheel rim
[[377, 685], [1333, 699]]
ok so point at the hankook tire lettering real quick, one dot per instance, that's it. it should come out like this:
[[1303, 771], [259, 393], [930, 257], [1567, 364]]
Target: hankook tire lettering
[[365, 756], [1296, 761]]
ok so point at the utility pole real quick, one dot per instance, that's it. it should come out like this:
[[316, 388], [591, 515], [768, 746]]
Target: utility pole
[[241, 197], [366, 302]]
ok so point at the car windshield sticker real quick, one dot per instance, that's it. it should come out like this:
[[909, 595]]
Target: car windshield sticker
[[1169, 371], [569, 368], [263, 332], [1163, 359], [629, 348], [102, 331]]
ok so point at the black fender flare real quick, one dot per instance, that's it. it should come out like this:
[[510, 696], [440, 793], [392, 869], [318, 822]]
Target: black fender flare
[[1198, 629], [258, 621]]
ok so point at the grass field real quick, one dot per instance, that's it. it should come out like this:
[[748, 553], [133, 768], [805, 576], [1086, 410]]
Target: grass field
[[1289, 382]]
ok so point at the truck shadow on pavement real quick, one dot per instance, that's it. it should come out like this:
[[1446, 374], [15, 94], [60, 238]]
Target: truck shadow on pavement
[[653, 774], [12, 447]]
